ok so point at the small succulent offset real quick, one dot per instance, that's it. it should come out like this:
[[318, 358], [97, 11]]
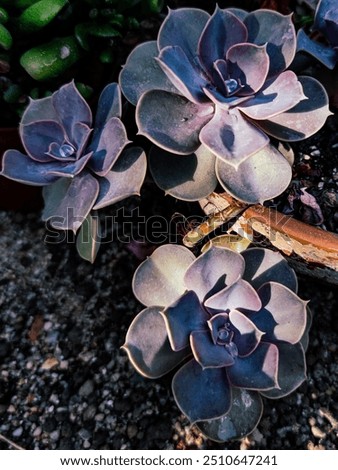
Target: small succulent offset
[[82, 167], [326, 23], [236, 322], [210, 91]]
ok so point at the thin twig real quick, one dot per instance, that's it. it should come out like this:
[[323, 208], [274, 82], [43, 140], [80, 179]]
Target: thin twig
[[11, 443]]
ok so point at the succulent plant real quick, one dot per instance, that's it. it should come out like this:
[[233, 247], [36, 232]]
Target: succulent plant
[[326, 23], [82, 167], [236, 322], [210, 91]]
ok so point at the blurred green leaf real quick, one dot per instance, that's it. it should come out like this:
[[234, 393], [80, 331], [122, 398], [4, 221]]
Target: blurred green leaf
[[37, 16], [6, 39], [3, 16], [51, 59]]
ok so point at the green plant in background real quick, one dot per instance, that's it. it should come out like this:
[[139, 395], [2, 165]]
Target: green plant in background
[[45, 43]]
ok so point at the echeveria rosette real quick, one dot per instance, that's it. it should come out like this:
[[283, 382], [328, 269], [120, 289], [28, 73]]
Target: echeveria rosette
[[325, 22], [236, 323], [209, 93], [83, 167]]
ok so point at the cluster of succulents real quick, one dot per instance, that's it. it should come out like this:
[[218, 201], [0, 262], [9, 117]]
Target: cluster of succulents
[[234, 320], [83, 167], [213, 95], [223, 83]]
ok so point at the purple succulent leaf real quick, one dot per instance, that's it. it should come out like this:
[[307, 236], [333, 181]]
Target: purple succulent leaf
[[220, 99], [305, 119], [57, 152], [291, 370], [242, 418], [19, 167], [188, 177], [109, 105], [182, 317], [159, 279], [219, 77], [201, 394], [277, 96], [325, 54], [81, 133], [112, 141], [247, 335], [305, 338], [222, 31], [258, 371], [186, 78], [71, 108], [39, 110], [239, 13], [142, 73], [262, 176], [67, 169], [89, 237], [69, 200], [124, 180], [262, 266], [326, 20], [248, 64], [231, 137], [239, 295], [171, 121], [283, 316], [214, 269], [208, 354], [37, 138], [277, 32], [183, 27], [148, 346]]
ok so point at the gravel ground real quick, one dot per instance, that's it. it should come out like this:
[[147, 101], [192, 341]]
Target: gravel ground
[[65, 383]]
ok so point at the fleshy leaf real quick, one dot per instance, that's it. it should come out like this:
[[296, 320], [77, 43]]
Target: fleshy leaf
[[262, 176], [305, 119], [69, 200], [291, 370], [148, 346], [112, 141], [231, 137], [263, 266], [305, 338], [188, 177], [217, 322], [326, 20], [208, 354], [277, 96], [283, 315], [249, 65], [241, 419], [258, 371], [239, 295], [124, 180], [171, 121], [277, 31], [325, 54], [222, 31], [109, 105], [183, 27], [201, 393], [39, 110], [89, 236], [247, 334], [212, 270], [159, 279], [38, 136], [71, 108], [183, 317], [182, 74], [142, 73], [19, 167]]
